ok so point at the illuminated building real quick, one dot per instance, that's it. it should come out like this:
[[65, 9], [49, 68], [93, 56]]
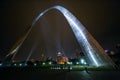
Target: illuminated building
[[61, 59]]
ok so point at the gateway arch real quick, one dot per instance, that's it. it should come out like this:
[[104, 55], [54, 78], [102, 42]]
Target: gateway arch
[[90, 47]]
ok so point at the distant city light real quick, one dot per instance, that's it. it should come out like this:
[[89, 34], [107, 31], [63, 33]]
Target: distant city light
[[50, 63], [77, 62], [15, 64], [107, 51], [70, 62], [82, 61], [0, 64], [35, 64], [20, 64], [43, 63]]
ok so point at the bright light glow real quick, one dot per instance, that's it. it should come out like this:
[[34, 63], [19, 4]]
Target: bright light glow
[[59, 53], [0, 64], [70, 63], [35, 64], [50, 63], [20, 64], [82, 61], [15, 64], [43, 63], [77, 62]]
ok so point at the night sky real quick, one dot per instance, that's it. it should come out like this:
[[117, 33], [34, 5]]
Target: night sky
[[52, 33]]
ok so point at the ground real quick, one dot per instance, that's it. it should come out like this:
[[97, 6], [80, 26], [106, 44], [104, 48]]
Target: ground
[[22, 74]]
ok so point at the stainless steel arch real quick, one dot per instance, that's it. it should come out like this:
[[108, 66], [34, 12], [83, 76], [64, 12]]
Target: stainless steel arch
[[90, 47]]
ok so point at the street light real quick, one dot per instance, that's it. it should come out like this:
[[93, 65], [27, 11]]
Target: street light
[[0, 64], [50, 63], [35, 64], [20, 64], [43, 63], [83, 62], [77, 62]]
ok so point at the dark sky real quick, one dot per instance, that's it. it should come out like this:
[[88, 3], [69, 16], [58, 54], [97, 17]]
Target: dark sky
[[101, 18]]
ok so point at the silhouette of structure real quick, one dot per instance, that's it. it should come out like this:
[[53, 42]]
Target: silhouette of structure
[[89, 45]]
